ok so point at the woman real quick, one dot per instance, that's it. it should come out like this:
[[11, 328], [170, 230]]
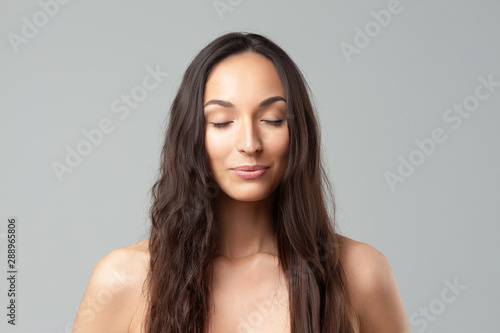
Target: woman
[[241, 237]]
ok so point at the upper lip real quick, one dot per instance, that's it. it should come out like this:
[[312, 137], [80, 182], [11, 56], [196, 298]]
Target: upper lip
[[250, 167]]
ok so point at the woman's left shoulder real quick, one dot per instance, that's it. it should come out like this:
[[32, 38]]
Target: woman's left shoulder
[[372, 288], [362, 259]]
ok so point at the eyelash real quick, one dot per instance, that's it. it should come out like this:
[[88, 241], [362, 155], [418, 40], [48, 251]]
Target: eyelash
[[271, 122]]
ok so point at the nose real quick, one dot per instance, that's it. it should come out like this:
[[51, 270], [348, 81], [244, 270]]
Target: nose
[[249, 139]]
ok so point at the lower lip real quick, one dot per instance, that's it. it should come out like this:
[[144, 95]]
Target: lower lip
[[249, 174]]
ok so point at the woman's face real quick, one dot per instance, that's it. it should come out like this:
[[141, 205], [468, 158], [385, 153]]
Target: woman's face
[[245, 116]]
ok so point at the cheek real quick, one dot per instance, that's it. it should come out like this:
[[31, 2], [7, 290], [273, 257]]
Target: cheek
[[280, 145], [217, 147]]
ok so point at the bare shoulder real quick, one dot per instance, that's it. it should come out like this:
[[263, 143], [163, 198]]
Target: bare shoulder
[[372, 288], [362, 262], [114, 289], [127, 265]]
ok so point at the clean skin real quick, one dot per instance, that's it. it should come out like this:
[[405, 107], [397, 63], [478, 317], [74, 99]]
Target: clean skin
[[245, 114]]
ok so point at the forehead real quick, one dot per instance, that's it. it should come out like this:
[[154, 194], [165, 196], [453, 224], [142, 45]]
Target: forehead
[[241, 76]]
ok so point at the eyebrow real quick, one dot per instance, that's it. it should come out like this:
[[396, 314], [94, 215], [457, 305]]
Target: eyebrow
[[226, 104]]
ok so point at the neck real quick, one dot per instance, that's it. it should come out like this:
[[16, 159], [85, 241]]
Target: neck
[[245, 228]]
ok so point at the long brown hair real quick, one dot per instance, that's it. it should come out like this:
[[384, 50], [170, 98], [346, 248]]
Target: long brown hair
[[184, 231]]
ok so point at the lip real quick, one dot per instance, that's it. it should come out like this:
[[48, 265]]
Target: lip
[[249, 167], [249, 171]]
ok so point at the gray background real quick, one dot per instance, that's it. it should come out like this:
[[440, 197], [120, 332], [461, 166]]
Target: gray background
[[438, 225]]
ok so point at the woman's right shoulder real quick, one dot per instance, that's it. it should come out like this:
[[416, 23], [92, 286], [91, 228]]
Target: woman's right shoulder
[[129, 262], [136, 254], [114, 289]]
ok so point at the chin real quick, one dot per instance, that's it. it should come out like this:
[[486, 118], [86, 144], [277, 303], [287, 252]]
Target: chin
[[248, 195]]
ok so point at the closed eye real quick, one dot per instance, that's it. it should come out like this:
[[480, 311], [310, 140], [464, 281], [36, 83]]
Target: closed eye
[[220, 125], [274, 122], [271, 122]]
